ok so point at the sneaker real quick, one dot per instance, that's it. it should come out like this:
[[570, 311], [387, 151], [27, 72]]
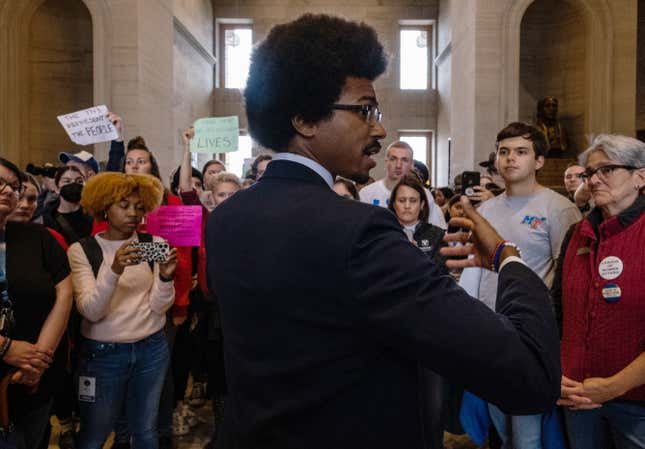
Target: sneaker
[[189, 417], [67, 440], [197, 395], [179, 425]]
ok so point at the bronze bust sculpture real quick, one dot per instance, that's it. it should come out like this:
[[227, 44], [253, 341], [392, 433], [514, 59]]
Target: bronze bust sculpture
[[547, 121]]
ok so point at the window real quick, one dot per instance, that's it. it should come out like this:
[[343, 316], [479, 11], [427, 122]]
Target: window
[[415, 53], [237, 161], [421, 143], [236, 43]]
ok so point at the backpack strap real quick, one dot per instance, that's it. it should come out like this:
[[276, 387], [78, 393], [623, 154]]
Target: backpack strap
[[145, 237], [93, 253]]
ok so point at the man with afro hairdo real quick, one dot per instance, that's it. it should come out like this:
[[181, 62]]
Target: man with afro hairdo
[[327, 316]]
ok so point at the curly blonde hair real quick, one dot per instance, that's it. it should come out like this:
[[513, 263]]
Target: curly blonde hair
[[223, 177], [105, 189]]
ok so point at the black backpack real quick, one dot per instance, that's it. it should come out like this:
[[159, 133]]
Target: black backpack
[[94, 253]]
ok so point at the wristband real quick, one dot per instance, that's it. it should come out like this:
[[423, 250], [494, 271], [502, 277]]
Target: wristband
[[498, 252]]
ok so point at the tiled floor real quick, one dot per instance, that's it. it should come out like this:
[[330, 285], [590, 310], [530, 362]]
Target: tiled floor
[[200, 434]]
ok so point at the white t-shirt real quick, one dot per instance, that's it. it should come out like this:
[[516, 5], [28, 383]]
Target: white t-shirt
[[537, 224], [379, 195]]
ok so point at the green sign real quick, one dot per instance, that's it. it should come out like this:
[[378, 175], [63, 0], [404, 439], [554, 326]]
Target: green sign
[[215, 135]]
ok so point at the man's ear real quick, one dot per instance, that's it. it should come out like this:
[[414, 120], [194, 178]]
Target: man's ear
[[303, 128], [539, 162]]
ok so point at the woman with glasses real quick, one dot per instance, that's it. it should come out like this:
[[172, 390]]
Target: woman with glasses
[[66, 215], [35, 287], [599, 296]]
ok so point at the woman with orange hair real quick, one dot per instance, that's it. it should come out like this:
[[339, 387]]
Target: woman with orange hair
[[123, 301]]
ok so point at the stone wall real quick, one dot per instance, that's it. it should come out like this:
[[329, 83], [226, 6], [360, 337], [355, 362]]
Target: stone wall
[[443, 63], [193, 61], [60, 76], [640, 86], [402, 109], [552, 63], [486, 40]]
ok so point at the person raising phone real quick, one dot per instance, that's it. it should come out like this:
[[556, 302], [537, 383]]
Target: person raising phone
[[123, 301]]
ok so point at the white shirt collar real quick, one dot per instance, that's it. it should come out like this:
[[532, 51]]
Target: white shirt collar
[[309, 163]]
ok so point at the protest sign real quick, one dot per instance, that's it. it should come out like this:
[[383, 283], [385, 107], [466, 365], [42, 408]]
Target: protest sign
[[89, 126], [180, 225], [215, 135]]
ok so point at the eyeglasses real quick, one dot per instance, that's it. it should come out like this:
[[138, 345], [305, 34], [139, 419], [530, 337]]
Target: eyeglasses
[[370, 112], [17, 187], [603, 172]]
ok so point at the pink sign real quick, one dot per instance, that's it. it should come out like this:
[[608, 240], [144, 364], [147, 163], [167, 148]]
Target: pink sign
[[180, 225]]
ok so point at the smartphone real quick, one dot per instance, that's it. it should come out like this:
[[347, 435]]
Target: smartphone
[[153, 251], [469, 179]]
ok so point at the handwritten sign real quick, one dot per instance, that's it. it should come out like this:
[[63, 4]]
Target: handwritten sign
[[215, 135], [180, 225], [89, 126]]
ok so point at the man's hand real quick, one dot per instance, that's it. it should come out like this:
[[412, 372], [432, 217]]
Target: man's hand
[[28, 358], [481, 194], [118, 124], [479, 240]]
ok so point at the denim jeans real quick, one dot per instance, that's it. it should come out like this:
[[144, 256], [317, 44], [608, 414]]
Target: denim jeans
[[517, 431], [127, 376], [620, 421], [166, 403]]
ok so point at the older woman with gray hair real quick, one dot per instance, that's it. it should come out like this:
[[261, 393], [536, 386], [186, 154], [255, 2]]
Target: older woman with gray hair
[[599, 297]]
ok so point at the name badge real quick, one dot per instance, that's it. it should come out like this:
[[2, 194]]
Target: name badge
[[611, 292], [86, 389], [610, 268]]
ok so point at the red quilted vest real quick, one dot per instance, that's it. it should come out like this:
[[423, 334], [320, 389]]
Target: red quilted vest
[[601, 337]]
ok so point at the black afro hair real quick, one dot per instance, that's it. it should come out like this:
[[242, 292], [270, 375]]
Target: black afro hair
[[300, 70]]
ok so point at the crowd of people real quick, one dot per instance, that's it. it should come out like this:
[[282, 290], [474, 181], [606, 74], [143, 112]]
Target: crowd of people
[[108, 341]]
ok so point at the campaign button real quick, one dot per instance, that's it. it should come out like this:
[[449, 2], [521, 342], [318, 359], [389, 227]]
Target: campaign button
[[611, 292], [610, 267]]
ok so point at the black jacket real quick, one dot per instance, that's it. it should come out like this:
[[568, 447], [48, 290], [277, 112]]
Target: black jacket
[[327, 310]]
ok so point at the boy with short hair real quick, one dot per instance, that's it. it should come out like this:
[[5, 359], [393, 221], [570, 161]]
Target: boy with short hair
[[536, 219]]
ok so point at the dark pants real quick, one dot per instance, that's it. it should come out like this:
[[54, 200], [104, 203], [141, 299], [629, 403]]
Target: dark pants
[[30, 426]]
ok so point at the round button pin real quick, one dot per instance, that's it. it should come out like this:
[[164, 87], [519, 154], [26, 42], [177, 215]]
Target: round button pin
[[610, 268], [611, 292]]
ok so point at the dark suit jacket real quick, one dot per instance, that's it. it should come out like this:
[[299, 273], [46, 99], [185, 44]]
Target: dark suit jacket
[[327, 310]]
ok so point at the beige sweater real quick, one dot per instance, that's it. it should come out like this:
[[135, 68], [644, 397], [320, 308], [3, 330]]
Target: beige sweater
[[118, 308]]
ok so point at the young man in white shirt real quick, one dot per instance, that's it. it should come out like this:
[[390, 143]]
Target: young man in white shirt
[[537, 219], [398, 163]]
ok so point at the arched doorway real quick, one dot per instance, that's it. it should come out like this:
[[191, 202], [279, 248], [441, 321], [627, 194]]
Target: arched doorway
[[553, 63], [60, 74]]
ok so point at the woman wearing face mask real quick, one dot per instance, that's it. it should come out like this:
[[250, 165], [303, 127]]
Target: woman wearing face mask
[[67, 217], [124, 352], [35, 283], [223, 186]]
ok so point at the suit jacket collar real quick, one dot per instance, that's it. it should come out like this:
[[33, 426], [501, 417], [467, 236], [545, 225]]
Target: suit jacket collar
[[282, 169]]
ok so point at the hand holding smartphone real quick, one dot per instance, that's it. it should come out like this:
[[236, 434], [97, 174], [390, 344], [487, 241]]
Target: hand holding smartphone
[[152, 251]]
